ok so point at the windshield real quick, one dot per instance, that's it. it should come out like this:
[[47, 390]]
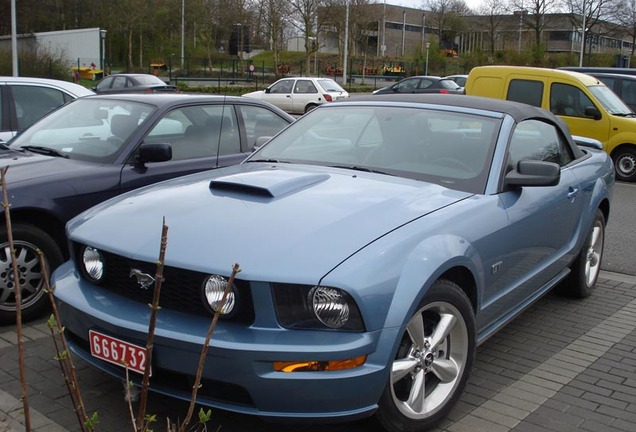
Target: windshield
[[612, 103], [86, 129], [449, 148], [330, 85]]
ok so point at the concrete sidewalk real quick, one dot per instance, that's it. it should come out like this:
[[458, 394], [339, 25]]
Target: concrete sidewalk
[[563, 365]]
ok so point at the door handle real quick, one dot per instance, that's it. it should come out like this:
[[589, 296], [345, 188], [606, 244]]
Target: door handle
[[573, 192]]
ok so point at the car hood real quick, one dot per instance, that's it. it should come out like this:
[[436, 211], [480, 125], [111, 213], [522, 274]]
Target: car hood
[[255, 94], [32, 167], [272, 219]]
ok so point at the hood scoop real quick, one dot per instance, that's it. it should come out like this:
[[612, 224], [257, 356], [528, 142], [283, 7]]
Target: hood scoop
[[271, 183]]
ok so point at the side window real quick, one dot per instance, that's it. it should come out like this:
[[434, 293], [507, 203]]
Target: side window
[[407, 85], [536, 140], [425, 83], [33, 102], [568, 100], [105, 83], [282, 87], [526, 91], [305, 86], [260, 122], [119, 82], [628, 92]]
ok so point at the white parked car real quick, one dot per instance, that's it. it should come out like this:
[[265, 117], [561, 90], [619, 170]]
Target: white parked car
[[301, 94], [25, 100]]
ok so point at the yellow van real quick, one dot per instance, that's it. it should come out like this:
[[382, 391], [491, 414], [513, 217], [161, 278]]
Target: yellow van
[[589, 108]]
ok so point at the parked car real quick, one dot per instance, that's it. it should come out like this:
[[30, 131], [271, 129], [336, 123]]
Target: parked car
[[422, 84], [595, 69], [133, 83], [380, 240], [623, 85], [587, 105], [300, 95], [100, 146], [459, 79], [24, 100]]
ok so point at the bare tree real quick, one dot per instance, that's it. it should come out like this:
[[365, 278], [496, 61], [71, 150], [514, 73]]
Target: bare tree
[[534, 19], [273, 18], [447, 15], [495, 11], [305, 15], [623, 12]]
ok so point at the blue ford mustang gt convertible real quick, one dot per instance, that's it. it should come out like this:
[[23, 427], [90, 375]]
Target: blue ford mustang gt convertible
[[380, 240]]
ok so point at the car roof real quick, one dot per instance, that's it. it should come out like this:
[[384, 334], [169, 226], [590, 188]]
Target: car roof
[[583, 78], [169, 98], [164, 98], [69, 87], [612, 75]]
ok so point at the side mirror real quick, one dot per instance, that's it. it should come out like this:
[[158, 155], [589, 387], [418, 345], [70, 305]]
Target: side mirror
[[534, 173], [268, 90], [154, 153], [260, 141], [587, 142], [592, 111]]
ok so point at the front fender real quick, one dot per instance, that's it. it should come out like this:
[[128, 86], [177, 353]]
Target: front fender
[[389, 278]]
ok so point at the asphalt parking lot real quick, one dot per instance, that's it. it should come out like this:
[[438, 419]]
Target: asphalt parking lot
[[563, 365]]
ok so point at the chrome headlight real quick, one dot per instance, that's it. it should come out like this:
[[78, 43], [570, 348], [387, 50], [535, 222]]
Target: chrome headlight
[[92, 264], [330, 306], [316, 307], [213, 289]]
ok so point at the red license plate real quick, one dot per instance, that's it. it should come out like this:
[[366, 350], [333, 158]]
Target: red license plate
[[117, 351]]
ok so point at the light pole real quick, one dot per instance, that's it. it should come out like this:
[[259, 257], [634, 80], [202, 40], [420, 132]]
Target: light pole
[[314, 42], [14, 40], [346, 46], [182, 34], [428, 45], [582, 38]]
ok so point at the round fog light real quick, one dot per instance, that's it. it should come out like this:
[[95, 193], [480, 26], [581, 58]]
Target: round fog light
[[93, 263], [330, 306], [213, 289]]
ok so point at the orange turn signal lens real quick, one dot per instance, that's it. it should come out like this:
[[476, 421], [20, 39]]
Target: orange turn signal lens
[[318, 366]]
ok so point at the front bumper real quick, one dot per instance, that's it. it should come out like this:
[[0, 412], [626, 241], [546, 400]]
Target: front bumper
[[238, 374]]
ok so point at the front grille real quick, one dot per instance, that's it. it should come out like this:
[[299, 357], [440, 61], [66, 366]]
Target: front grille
[[180, 290]]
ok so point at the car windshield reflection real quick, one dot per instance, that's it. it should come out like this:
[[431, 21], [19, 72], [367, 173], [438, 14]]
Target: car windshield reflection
[[447, 148], [89, 130]]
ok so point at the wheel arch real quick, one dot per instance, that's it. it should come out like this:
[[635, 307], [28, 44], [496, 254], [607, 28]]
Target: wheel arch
[[43, 220]]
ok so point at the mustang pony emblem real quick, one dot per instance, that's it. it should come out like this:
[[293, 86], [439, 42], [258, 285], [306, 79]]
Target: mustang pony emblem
[[144, 280]]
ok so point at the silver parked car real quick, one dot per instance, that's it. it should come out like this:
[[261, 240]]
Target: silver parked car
[[25, 100]]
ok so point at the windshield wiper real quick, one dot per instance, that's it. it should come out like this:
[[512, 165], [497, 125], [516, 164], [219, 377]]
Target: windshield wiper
[[45, 151], [267, 160], [361, 168], [630, 114]]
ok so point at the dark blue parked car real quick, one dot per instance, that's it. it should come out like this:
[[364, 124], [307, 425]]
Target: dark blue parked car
[[100, 146]]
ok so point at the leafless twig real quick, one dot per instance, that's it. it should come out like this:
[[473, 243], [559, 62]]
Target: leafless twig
[[18, 301]]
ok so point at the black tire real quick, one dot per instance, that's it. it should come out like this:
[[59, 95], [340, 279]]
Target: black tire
[[438, 347], [584, 271], [27, 239], [310, 107], [625, 163]]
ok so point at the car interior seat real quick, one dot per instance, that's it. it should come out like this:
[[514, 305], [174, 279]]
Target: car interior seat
[[121, 127]]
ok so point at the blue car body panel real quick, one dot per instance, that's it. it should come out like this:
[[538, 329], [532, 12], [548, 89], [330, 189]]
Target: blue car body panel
[[382, 239]]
